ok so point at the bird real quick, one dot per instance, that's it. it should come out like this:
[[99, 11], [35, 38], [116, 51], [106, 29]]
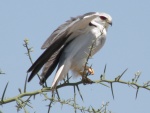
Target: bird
[[68, 47]]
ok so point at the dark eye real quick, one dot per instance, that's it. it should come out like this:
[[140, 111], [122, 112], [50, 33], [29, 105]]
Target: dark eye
[[103, 18]]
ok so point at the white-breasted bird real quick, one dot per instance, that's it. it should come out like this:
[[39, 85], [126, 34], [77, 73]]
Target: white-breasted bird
[[69, 45]]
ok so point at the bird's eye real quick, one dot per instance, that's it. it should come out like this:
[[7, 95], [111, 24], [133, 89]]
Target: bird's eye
[[103, 17]]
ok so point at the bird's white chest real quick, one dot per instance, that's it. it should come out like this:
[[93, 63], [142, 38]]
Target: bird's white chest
[[77, 51], [100, 37], [99, 32]]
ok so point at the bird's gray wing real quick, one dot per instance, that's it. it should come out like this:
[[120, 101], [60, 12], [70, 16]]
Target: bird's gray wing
[[50, 66], [37, 65], [56, 42], [66, 26]]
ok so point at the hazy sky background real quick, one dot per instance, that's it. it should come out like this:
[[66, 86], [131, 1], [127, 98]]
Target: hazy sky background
[[127, 46]]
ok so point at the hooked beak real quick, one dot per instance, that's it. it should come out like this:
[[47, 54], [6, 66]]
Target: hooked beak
[[110, 23]]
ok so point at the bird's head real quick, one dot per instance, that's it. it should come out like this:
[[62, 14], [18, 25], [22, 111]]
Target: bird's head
[[103, 19]]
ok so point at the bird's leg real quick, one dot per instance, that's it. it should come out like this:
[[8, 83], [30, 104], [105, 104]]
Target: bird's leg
[[87, 69], [86, 80], [90, 70]]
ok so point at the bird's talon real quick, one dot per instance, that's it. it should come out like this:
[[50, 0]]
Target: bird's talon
[[91, 71], [86, 80]]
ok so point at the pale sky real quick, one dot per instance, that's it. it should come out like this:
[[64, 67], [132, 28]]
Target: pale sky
[[127, 46]]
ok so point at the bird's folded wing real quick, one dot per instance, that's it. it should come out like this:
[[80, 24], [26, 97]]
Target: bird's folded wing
[[70, 26], [59, 38]]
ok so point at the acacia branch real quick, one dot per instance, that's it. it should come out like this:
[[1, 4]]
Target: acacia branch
[[101, 81], [83, 109], [48, 89]]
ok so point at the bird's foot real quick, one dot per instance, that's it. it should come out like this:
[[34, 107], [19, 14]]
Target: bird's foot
[[90, 70], [86, 80]]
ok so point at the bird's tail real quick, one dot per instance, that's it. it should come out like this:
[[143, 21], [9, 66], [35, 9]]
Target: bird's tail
[[61, 73]]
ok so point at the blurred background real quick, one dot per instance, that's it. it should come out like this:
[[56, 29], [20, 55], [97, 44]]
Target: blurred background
[[127, 46]]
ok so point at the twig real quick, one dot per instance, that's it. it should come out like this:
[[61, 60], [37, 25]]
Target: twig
[[29, 50], [4, 93], [72, 84]]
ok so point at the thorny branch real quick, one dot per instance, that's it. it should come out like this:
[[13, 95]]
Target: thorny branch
[[48, 89], [29, 50], [21, 104]]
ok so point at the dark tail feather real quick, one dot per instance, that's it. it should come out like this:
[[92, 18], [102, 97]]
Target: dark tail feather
[[50, 66], [40, 62], [48, 71], [34, 72], [43, 58], [48, 53]]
